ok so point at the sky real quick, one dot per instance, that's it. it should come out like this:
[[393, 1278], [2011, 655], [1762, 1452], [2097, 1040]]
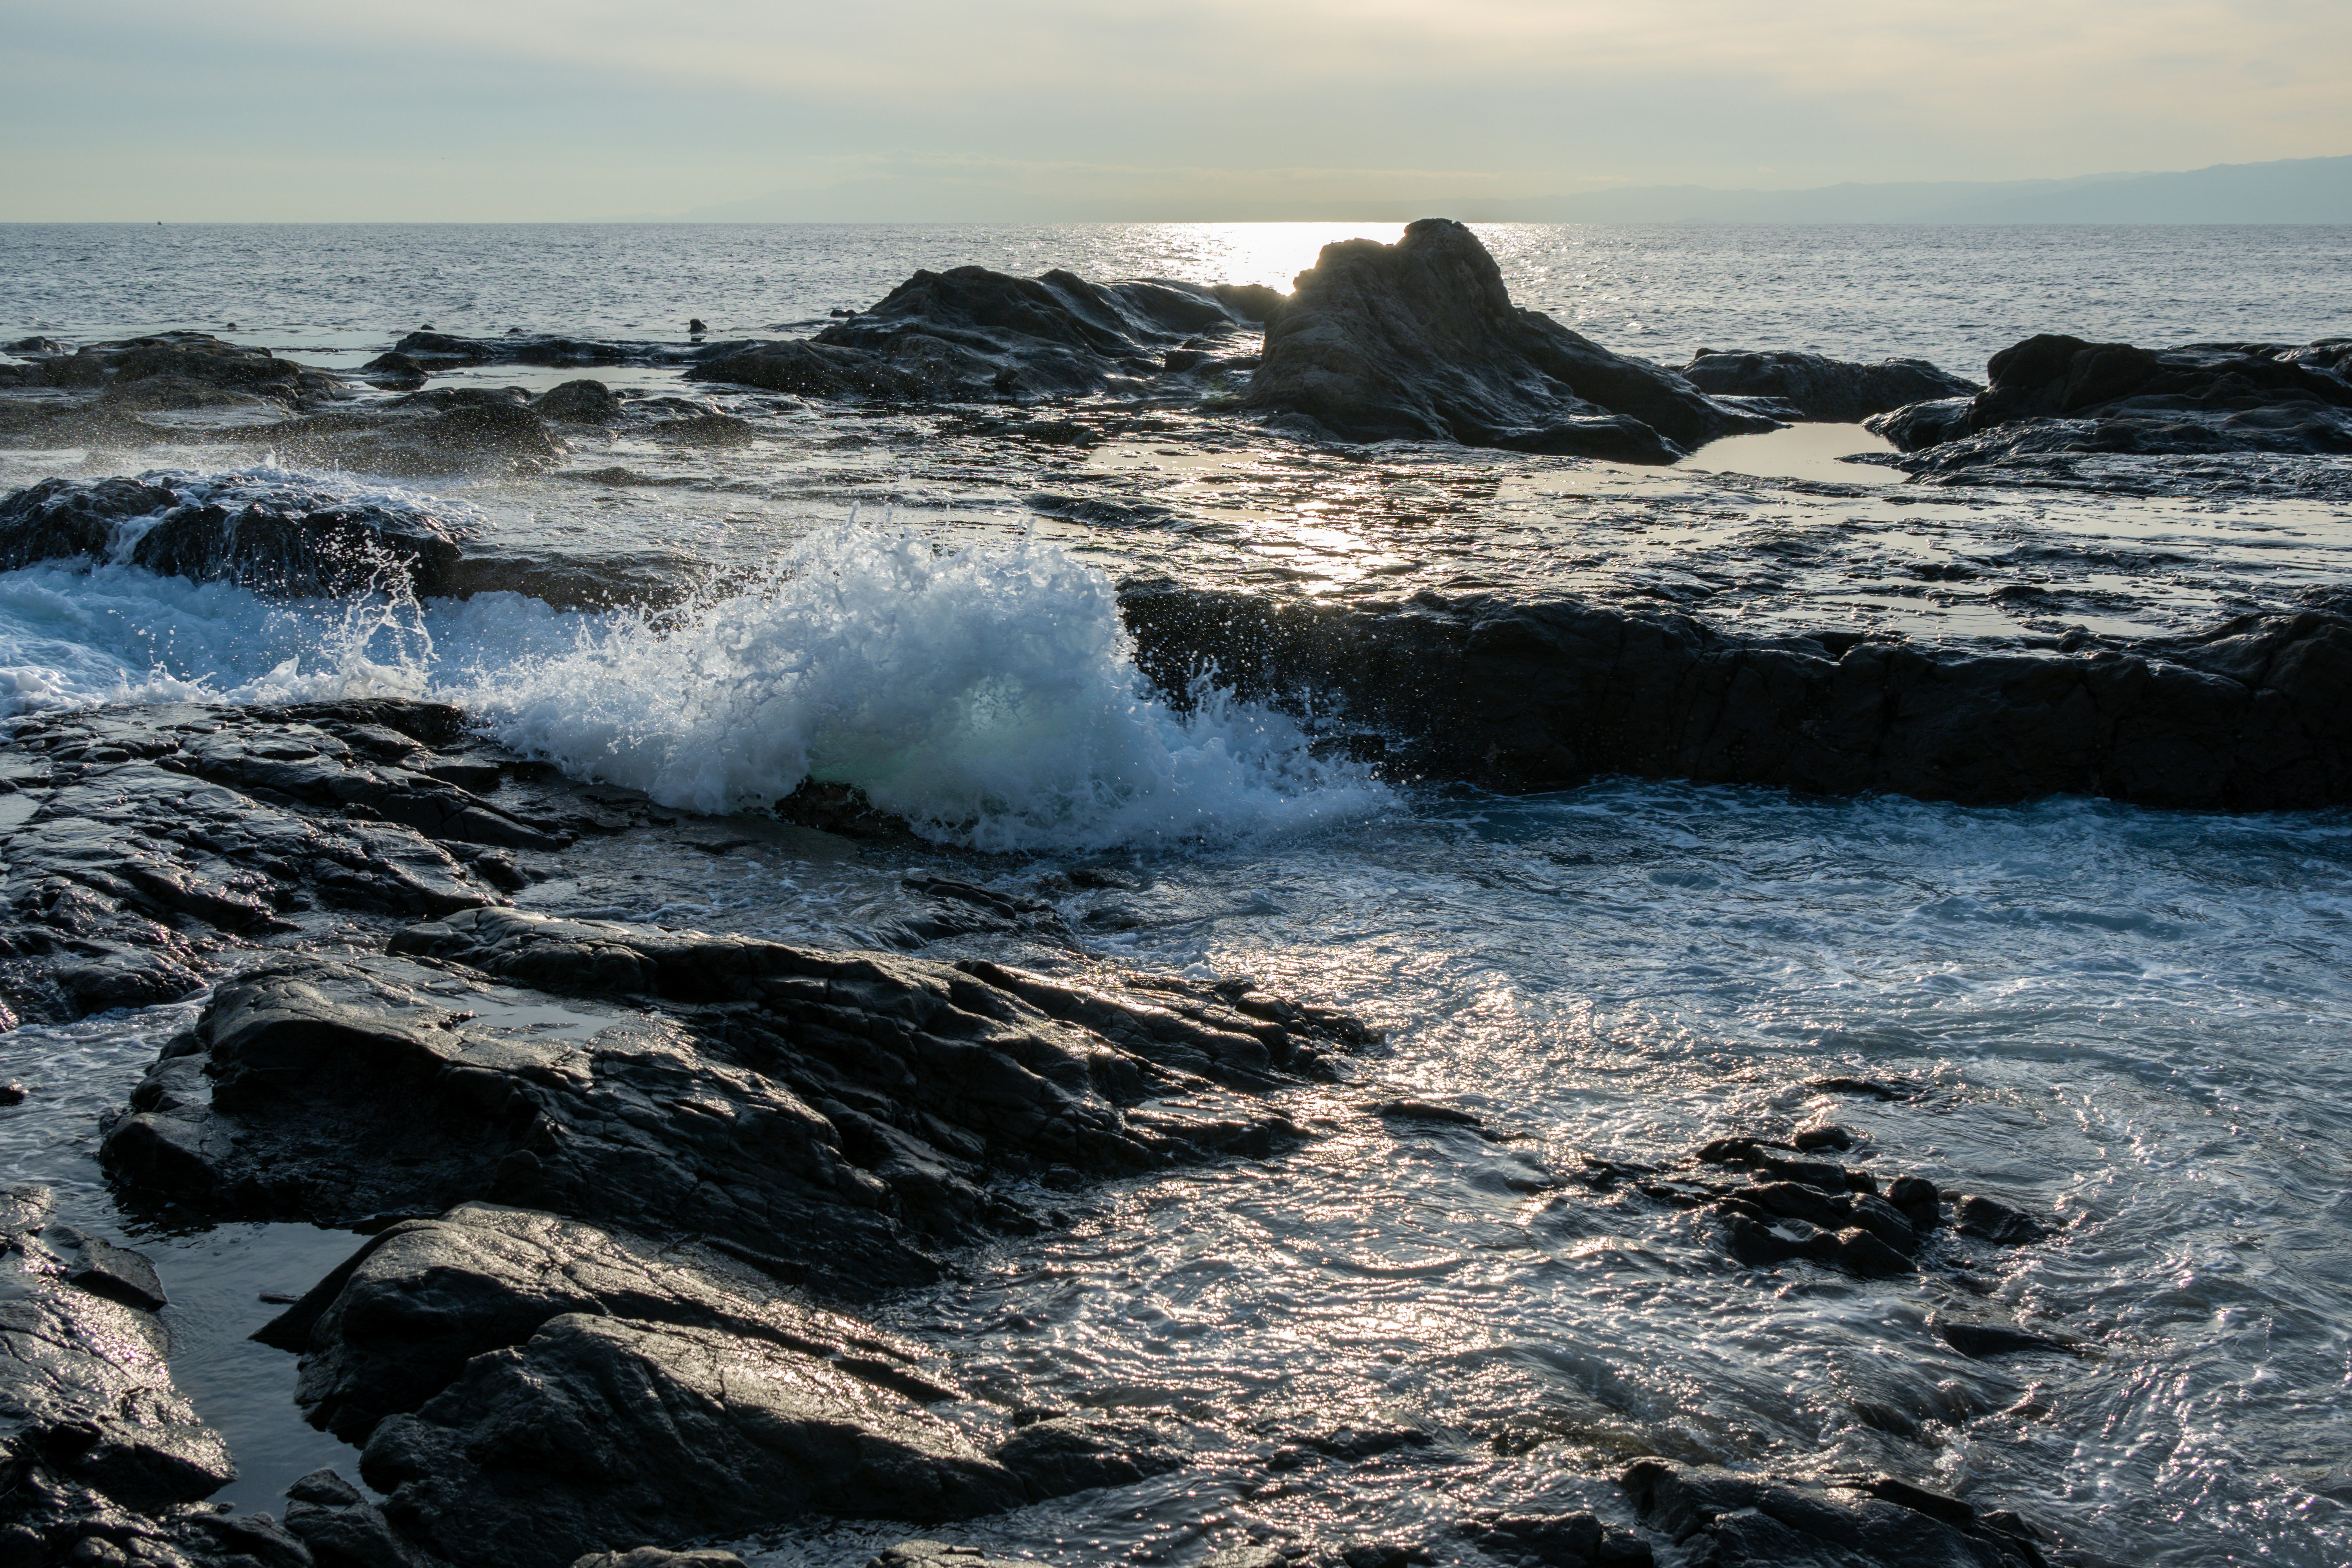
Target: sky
[[1171, 110]]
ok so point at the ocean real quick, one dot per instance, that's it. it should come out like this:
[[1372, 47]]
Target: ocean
[[2132, 1022]]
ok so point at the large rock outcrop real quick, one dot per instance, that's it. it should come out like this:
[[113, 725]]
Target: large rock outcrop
[[2054, 397], [1419, 340], [1816, 387], [838, 1116], [268, 534], [970, 334], [2255, 715]]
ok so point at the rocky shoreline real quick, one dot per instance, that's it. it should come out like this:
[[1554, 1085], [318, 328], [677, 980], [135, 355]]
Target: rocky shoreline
[[620, 1192]]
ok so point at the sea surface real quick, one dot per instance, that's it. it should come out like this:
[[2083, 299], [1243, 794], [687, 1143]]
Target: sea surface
[[2134, 1022]]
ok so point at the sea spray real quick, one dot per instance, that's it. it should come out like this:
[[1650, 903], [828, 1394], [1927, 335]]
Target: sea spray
[[987, 694]]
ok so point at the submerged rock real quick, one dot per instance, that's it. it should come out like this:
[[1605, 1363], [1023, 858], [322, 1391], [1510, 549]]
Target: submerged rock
[[1727, 1521], [2254, 715], [1817, 387], [1577, 1540], [835, 1117], [1419, 340], [273, 535], [970, 334]]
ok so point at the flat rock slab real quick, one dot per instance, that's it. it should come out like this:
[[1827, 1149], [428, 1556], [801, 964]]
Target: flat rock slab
[[598, 1432], [397, 1322], [836, 1116]]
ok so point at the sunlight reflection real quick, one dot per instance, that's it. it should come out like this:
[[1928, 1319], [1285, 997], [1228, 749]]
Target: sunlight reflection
[[1270, 253]]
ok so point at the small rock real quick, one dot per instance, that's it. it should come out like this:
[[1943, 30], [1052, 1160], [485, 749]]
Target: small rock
[[1988, 1219], [118, 1274], [13, 1092]]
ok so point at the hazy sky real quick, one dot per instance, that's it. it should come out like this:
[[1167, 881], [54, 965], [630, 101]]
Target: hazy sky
[[1168, 109]]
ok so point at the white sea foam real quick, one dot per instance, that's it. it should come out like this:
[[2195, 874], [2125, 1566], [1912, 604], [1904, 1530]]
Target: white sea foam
[[987, 694]]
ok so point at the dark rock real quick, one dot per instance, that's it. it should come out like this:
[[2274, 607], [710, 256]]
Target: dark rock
[[94, 1439], [597, 1433], [2253, 715], [1725, 1521], [1419, 340], [342, 1529], [444, 351], [848, 1106], [1988, 1219], [2054, 396], [1838, 392], [814, 370], [276, 538], [396, 1322], [13, 1092], [655, 1557], [1557, 1541], [580, 402], [940, 1554], [435, 436], [118, 1274], [969, 335], [395, 371], [189, 357], [1065, 1454], [1981, 1339], [1828, 1136], [139, 838], [1919, 1200]]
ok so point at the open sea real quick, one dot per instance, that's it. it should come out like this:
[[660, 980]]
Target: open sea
[[2136, 1022]]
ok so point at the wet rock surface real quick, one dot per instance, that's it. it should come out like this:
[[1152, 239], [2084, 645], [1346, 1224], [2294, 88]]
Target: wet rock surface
[[2253, 715], [1419, 340], [277, 536], [1819, 388], [2054, 398], [96, 1443], [1726, 1520], [598, 1430], [849, 1109], [143, 844], [970, 334], [175, 368]]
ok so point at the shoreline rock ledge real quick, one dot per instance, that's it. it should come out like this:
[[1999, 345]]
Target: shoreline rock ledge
[[1419, 340]]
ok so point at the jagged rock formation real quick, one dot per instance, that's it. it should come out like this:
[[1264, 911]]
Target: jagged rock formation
[[269, 535], [1816, 387], [141, 843], [836, 1116], [1419, 340], [969, 335], [2255, 715], [2055, 400]]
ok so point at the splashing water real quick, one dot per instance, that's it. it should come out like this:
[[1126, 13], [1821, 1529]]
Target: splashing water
[[986, 694]]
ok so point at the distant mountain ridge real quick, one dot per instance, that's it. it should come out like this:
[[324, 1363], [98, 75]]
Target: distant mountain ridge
[[2294, 190], [2291, 191]]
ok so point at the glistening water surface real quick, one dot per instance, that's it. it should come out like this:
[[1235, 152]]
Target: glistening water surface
[[2131, 1020]]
